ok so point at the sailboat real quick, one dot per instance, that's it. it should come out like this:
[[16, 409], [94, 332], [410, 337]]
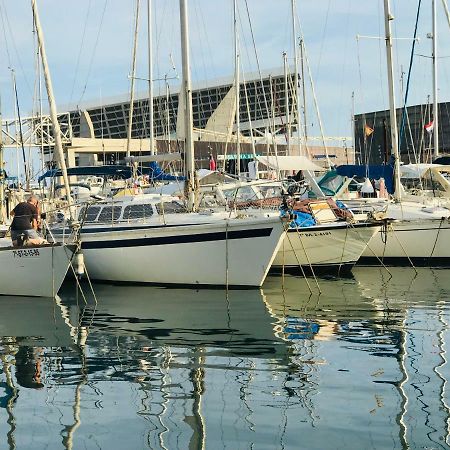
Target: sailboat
[[421, 233], [187, 248], [418, 233], [38, 270]]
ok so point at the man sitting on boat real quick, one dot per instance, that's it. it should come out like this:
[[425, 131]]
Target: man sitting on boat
[[25, 223]]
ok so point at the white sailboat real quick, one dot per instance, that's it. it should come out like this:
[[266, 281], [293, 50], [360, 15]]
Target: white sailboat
[[330, 248], [38, 270], [420, 233], [187, 248], [152, 239], [328, 245]]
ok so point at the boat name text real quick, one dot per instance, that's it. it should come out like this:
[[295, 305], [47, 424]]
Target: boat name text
[[317, 233], [25, 253]]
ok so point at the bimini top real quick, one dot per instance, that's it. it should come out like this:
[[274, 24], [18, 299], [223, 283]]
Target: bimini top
[[289, 163], [154, 171]]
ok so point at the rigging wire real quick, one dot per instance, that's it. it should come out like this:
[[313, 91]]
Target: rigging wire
[[345, 53], [6, 25], [324, 32], [94, 50], [411, 59], [77, 65], [266, 103]]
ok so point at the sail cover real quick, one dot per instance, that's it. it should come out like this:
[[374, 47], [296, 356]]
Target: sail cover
[[153, 170]]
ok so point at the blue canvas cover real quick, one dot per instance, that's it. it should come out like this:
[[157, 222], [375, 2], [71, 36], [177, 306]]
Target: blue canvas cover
[[302, 219], [154, 171], [385, 171]]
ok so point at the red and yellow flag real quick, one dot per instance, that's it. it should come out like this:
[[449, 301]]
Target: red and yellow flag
[[367, 130]]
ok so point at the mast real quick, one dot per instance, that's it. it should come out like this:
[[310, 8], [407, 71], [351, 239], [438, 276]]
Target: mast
[[133, 77], [296, 96], [2, 178], [53, 114], [435, 93], [302, 50], [238, 97], [392, 108], [150, 76], [188, 116], [286, 103], [19, 121]]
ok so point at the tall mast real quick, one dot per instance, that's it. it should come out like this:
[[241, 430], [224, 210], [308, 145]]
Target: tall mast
[[53, 114], [286, 104], [392, 108], [2, 179], [296, 96], [302, 50], [188, 116], [133, 78], [435, 93], [150, 76], [237, 84]]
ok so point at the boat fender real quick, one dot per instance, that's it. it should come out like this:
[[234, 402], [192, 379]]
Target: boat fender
[[79, 264]]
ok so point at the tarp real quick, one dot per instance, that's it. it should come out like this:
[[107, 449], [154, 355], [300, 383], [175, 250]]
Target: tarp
[[373, 172], [154, 171], [289, 163]]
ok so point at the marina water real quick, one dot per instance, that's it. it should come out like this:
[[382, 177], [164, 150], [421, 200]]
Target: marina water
[[361, 365]]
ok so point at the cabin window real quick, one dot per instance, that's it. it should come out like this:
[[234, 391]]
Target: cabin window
[[90, 215], [134, 212], [243, 194], [270, 191], [170, 207], [109, 213]]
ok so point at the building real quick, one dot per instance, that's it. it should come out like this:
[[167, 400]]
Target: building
[[373, 135], [262, 114]]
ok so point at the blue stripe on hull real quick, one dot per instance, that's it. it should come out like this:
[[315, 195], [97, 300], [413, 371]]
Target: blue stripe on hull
[[183, 239]]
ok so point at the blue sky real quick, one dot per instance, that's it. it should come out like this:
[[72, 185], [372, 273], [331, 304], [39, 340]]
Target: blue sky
[[89, 49]]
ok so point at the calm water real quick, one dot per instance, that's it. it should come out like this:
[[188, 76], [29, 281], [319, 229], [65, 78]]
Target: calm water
[[362, 365]]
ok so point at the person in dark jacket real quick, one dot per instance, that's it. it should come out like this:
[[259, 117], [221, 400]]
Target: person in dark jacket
[[25, 223]]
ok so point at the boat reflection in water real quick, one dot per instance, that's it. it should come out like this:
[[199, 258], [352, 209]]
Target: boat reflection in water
[[35, 335], [145, 367], [382, 339]]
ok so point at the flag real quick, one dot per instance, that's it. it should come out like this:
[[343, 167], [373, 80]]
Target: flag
[[212, 162], [429, 126], [367, 130]]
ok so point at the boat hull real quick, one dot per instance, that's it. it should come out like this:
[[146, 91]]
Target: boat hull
[[328, 248], [421, 242], [225, 252], [37, 271]]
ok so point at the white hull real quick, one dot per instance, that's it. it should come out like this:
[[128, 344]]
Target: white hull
[[338, 244], [234, 252], [425, 242], [34, 271]]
